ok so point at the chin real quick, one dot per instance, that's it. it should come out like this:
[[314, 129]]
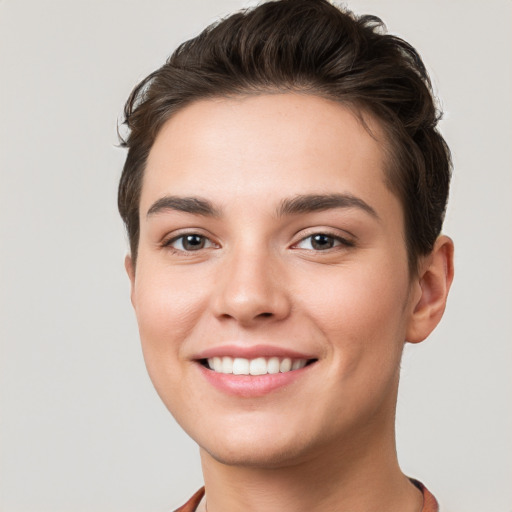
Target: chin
[[252, 455], [263, 446]]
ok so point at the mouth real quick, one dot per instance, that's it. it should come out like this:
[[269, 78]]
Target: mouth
[[258, 366], [253, 371]]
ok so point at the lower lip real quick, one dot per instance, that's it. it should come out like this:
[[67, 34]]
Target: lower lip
[[250, 386]]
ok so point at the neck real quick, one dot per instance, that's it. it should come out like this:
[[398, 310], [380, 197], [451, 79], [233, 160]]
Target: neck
[[357, 478]]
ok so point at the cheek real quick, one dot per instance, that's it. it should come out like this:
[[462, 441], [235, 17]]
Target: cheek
[[361, 315], [167, 311], [361, 312]]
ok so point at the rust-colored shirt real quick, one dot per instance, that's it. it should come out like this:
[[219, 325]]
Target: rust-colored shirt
[[429, 502]]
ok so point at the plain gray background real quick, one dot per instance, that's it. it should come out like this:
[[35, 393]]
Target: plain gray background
[[81, 426]]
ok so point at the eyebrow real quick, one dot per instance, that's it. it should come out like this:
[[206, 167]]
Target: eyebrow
[[304, 203], [194, 205], [319, 202]]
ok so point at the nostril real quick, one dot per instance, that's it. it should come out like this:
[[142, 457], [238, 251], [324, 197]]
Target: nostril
[[265, 315]]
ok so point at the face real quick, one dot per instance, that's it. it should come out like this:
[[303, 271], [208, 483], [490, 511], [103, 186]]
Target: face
[[272, 288]]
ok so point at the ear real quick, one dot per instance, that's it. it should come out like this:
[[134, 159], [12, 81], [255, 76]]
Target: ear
[[433, 284], [130, 270]]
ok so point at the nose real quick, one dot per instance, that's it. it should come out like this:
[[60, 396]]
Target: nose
[[251, 289]]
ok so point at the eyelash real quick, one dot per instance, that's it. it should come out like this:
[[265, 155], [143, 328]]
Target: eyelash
[[204, 239], [336, 240]]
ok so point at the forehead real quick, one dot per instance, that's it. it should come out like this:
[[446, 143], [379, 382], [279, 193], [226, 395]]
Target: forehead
[[265, 146]]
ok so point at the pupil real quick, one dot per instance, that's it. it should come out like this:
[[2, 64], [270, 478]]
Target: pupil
[[193, 242], [322, 242]]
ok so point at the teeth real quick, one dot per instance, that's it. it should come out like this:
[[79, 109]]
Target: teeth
[[240, 366], [227, 365], [258, 366], [298, 364], [273, 365], [285, 365], [217, 364]]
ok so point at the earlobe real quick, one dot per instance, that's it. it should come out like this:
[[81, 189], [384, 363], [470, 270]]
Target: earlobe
[[130, 270], [434, 280]]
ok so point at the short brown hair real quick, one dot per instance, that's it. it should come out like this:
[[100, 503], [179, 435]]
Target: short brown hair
[[313, 47]]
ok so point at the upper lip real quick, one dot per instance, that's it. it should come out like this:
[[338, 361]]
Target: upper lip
[[251, 352]]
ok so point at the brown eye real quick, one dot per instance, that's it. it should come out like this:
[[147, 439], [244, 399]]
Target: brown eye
[[193, 242], [322, 242], [189, 243]]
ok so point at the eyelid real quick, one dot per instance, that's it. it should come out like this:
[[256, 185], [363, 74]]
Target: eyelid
[[169, 239], [346, 240]]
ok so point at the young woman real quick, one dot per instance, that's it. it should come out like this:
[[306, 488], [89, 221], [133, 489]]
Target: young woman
[[284, 193]]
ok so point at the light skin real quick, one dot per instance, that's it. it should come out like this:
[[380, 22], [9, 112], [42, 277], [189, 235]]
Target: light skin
[[267, 229]]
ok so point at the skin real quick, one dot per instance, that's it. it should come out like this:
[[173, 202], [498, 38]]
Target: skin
[[326, 440]]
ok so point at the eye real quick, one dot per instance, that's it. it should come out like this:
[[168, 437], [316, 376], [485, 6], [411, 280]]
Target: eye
[[322, 242], [190, 242]]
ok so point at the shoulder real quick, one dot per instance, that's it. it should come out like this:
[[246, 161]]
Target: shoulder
[[192, 503], [430, 504]]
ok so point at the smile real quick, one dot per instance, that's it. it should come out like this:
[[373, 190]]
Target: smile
[[252, 371], [256, 366]]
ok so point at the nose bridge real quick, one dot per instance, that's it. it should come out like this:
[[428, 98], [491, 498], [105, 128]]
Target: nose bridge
[[251, 285]]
